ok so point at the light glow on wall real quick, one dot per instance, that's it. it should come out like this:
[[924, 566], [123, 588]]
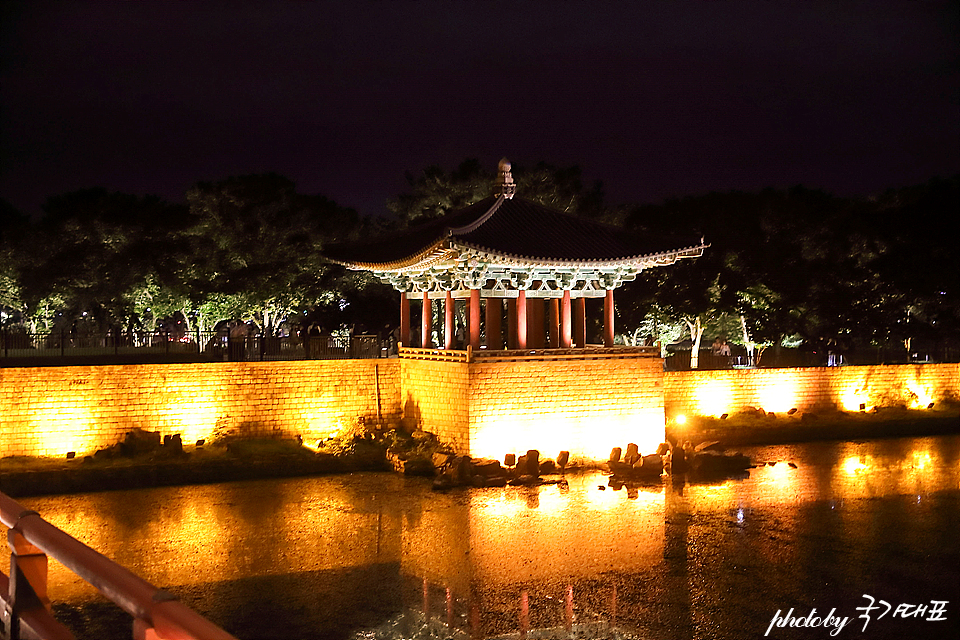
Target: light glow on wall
[[588, 438], [322, 423], [855, 464], [193, 417], [67, 425], [713, 397], [922, 460], [920, 395], [779, 395], [853, 396]]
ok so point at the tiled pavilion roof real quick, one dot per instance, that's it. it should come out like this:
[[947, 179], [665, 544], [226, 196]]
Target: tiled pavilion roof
[[515, 229], [504, 243]]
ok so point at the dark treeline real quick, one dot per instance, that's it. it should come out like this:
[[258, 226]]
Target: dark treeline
[[799, 265]]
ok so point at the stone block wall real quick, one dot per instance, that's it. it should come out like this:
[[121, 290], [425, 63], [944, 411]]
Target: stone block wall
[[713, 393], [485, 407], [434, 398], [53, 410], [585, 406]]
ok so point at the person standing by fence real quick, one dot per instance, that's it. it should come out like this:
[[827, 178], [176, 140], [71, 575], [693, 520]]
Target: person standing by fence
[[237, 339]]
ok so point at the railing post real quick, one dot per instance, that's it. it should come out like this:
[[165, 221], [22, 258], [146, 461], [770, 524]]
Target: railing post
[[28, 580], [28, 568]]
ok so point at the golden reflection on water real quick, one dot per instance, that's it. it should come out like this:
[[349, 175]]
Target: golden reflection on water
[[495, 540], [518, 534]]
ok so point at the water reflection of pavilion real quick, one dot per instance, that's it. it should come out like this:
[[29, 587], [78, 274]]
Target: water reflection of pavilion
[[532, 562]]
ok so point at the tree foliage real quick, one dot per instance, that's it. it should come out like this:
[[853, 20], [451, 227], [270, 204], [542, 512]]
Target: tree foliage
[[803, 263], [247, 247], [797, 263]]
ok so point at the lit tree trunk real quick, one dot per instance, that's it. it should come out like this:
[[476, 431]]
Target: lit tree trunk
[[696, 332], [747, 342], [186, 322]]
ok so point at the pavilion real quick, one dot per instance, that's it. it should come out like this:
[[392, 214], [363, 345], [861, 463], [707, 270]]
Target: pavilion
[[519, 265], [507, 248]]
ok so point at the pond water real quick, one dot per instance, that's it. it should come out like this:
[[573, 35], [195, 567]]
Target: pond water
[[377, 555]]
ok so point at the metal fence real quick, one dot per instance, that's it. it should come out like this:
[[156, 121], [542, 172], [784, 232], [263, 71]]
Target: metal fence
[[795, 358], [130, 346]]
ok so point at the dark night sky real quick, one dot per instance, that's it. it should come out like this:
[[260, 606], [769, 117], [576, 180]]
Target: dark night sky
[[657, 99]]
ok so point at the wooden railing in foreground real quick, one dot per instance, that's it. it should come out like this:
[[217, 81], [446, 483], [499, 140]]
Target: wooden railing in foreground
[[27, 613]]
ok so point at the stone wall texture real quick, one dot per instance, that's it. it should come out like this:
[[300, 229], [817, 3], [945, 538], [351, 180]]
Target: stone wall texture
[[482, 407], [434, 397], [586, 407], [713, 393], [53, 410]]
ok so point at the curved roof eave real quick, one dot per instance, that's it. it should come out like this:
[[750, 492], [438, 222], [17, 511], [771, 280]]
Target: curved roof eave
[[447, 248], [673, 254], [430, 255]]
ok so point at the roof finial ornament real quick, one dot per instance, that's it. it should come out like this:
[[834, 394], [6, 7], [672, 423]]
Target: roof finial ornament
[[505, 184]]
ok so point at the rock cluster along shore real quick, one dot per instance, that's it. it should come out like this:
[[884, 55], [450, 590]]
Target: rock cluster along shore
[[145, 459], [451, 470], [703, 460]]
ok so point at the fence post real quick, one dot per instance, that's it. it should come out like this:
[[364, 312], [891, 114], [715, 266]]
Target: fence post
[[28, 582]]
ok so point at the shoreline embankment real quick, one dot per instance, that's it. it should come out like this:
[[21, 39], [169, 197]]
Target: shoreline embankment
[[21, 477]]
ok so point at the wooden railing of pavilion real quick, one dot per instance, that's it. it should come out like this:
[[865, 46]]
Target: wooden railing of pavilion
[[508, 355]]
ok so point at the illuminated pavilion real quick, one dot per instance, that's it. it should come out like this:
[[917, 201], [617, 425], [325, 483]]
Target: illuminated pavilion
[[507, 248], [538, 385]]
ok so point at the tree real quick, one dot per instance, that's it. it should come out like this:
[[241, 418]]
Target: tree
[[93, 251], [13, 225], [256, 247], [434, 192], [836, 272]]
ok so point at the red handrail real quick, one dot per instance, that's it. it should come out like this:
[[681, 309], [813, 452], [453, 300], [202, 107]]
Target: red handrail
[[146, 603]]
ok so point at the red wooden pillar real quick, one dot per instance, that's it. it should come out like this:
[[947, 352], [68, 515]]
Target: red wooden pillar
[[474, 621], [475, 318], [613, 606], [494, 313], [449, 609], [580, 322], [404, 319], [426, 340], [554, 323], [524, 614], [448, 334], [426, 599], [608, 319], [566, 328], [522, 319], [535, 325]]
